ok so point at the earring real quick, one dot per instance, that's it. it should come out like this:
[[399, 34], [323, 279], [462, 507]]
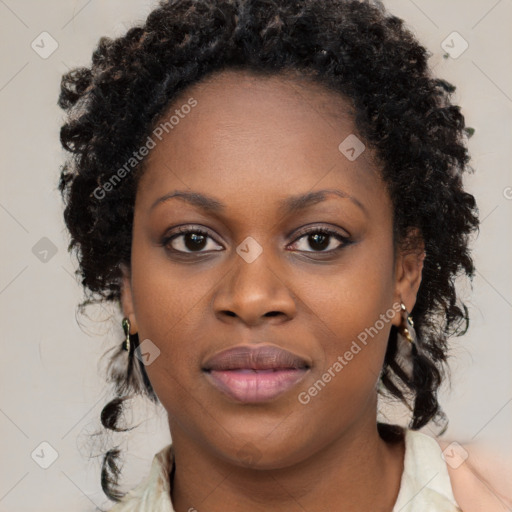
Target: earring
[[126, 328], [407, 327]]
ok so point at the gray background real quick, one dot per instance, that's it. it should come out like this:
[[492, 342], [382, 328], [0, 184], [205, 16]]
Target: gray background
[[52, 389]]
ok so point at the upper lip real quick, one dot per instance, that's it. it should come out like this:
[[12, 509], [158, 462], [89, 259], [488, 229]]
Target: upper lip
[[263, 357]]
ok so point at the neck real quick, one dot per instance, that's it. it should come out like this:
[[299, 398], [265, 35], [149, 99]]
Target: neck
[[358, 471]]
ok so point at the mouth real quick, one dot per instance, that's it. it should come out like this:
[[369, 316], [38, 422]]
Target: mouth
[[255, 374]]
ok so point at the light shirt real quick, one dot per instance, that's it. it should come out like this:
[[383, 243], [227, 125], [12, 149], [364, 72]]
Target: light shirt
[[425, 484]]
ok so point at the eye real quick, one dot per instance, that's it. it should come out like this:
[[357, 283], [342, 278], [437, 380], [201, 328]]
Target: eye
[[320, 240], [189, 240]]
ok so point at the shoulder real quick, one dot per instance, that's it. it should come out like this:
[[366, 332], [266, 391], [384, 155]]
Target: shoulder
[[479, 481]]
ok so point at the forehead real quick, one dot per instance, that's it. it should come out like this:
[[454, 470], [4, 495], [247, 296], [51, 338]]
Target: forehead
[[233, 96], [247, 132], [288, 87]]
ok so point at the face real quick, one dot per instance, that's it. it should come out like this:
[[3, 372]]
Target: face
[[253, 229]]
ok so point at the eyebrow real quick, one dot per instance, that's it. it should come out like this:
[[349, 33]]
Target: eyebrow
[[194, 198], [301, 202], [289, 205]]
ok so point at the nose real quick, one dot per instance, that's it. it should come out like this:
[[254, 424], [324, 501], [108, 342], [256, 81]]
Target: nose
[[254, 293]]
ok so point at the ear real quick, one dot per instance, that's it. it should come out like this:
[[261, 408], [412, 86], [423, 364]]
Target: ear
[[127, 299], [408, 270]]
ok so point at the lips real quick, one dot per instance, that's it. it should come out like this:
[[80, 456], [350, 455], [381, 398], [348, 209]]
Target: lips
[[265, 357], [255, 374]]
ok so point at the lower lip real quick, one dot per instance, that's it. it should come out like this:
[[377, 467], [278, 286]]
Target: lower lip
[[255, 386]]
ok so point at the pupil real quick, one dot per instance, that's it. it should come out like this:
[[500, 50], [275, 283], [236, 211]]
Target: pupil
[[198, 241], [320, 240]]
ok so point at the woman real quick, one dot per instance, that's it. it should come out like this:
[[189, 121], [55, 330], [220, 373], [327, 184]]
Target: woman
[[272, 193]]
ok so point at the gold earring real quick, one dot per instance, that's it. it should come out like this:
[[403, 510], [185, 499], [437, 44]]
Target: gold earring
[[407, 327], [126, 329]]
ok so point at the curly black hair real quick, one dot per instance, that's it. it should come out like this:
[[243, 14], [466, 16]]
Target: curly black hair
[[353, 47]]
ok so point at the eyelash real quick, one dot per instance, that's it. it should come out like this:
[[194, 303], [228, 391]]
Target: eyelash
[[307, 231], [323, 231]]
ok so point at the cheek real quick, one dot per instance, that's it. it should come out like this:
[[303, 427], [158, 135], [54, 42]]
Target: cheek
[[351, 296], [353, 311], [167, 301], [342, 388], [355, 329], [166, 294]]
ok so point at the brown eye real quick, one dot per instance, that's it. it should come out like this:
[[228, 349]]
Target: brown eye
[[190, 240], [320, 240]]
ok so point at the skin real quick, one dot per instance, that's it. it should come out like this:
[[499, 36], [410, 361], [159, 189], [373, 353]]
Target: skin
[[251, 143], [482, 481]]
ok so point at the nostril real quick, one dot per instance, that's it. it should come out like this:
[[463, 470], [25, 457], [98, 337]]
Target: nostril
[[272, 313]]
